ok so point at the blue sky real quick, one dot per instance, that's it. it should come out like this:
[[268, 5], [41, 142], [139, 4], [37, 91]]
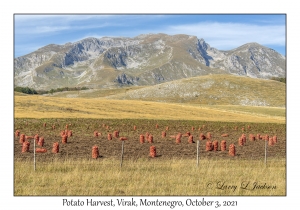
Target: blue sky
[[223, 32]]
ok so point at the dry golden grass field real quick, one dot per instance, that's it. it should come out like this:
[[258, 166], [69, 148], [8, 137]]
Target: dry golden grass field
[[100, 108]]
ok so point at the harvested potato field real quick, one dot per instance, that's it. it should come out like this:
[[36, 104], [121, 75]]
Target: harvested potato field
[[79, 145]]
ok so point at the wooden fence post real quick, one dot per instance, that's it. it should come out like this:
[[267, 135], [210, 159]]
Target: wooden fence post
[[122, 154], [265, 152], [34, 163], [197, 153]]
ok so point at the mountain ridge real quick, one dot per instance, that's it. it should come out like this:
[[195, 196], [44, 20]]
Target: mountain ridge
[[147, 59]]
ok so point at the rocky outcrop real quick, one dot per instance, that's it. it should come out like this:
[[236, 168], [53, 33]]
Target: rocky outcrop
[[124, 79]]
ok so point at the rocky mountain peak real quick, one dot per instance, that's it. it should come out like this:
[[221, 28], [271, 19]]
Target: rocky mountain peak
[[142, 60], [203, 45]]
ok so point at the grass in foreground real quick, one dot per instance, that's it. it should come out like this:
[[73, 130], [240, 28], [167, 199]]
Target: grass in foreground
[[151, 177]]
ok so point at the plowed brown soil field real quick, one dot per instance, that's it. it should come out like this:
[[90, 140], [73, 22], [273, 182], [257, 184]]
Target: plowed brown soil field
[[79, 146]]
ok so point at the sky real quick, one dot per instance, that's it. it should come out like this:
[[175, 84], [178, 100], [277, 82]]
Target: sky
[[224, 32]]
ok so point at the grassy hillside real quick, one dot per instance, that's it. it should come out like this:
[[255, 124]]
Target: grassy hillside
[[52, 107], [211, 97], [213, 90]]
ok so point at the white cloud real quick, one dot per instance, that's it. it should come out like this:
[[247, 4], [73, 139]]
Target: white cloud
[[42, 29], [39, 24], [230, 35], [60, 18]]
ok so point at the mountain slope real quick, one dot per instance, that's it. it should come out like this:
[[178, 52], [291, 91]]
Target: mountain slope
[[213, 90], [143, 60]]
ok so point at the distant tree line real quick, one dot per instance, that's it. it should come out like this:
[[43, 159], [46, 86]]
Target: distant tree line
[[28, 90], [279, 79], [25, 90]]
